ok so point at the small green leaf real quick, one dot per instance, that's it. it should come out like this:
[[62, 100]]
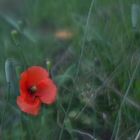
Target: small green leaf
[[15, 34], [10, 73], [68, 75], [8, 70], [135, 15]]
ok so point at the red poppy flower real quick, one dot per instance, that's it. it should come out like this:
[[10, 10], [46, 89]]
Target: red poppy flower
[[35, 88]]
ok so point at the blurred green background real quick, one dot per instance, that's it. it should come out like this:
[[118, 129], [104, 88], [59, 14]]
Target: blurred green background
[[94, 50]]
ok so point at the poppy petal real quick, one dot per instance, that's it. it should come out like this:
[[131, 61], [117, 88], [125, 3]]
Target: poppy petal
[[23, 84], [36, 74], [47, 91], [32, 108]]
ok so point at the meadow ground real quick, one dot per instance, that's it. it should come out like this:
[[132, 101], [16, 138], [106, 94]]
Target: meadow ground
[[93, 48]]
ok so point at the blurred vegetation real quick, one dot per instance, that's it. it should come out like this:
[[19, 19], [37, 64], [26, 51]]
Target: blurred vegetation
[[94, 50]]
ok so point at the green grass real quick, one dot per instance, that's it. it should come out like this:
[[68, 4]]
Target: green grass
[[97, 70]]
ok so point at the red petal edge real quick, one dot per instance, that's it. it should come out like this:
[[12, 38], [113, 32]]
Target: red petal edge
[[47, 91], [32, 108]]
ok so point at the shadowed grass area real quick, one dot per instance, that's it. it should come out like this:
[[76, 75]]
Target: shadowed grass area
[[95, 56]]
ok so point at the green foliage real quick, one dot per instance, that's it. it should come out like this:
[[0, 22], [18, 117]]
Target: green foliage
[[96, 69]]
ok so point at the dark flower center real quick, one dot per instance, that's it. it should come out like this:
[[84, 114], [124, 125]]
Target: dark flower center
[[33, 89]]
